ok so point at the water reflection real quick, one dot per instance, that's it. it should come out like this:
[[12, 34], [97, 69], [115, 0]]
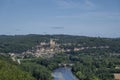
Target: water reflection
[[63, 73]]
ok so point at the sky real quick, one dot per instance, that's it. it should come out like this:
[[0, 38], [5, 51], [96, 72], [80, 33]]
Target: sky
[[74, 17]]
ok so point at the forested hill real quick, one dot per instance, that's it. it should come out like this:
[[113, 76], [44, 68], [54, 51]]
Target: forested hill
[[20, 43], [9, 70]]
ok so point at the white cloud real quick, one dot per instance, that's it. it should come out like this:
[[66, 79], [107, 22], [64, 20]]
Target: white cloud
[[88, 4], [80, 4], [92, 15], [66, 4]]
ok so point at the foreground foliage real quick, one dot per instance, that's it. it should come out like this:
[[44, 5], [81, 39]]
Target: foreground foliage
[[38, 71], [9, 71]]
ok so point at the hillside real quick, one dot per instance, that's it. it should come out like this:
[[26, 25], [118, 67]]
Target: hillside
[[10, 71]]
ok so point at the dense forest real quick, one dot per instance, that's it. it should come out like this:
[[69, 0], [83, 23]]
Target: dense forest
[[89, 64]]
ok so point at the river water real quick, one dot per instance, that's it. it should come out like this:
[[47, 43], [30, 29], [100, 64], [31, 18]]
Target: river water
[[63, 73]]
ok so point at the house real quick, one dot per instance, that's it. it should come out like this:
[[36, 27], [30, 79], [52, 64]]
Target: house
[[117, 76]]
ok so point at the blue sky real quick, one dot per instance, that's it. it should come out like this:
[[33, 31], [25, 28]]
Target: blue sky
[[74, 17]]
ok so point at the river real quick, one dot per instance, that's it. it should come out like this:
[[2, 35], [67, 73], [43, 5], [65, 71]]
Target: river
[[63, 73]]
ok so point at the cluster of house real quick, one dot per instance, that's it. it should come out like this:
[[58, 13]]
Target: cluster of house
[[45, 49], [50, 48], [82, 48]]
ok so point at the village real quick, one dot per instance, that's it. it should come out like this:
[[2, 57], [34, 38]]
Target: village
[[49, 49]]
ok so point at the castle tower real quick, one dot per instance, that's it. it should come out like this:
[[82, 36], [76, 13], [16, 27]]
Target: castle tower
[[52, 44]]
